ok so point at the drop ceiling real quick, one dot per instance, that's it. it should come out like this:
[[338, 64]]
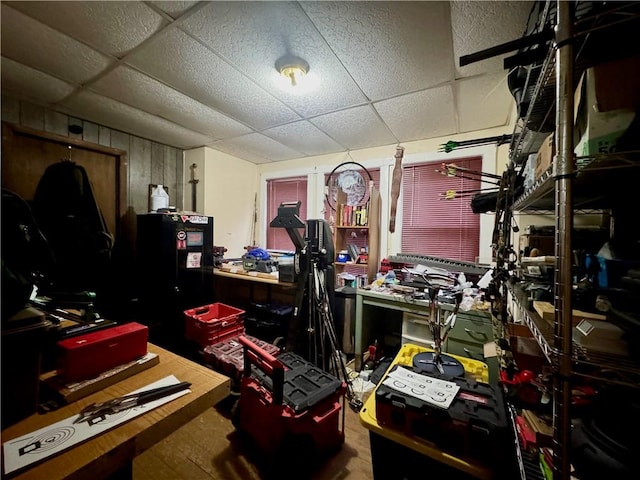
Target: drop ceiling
[[193, 74]]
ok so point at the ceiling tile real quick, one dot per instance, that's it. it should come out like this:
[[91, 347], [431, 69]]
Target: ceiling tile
[[32, 43], [138, 90], [197, 72], [113, 114], [174, 9], [483, 101], [257, 147], [480, 25], [354, 128], [389, 48], [28, 83], [254, 35], [304, 137], [114, 28], [425, 114]]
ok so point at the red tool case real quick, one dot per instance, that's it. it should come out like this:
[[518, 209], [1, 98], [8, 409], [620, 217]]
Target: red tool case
[[87, 356], [289, 407]]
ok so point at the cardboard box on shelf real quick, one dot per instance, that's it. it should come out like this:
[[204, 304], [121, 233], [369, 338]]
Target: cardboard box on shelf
[[606, 100], [546, 152]]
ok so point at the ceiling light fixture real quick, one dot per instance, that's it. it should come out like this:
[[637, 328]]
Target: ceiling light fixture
[[292, 68]]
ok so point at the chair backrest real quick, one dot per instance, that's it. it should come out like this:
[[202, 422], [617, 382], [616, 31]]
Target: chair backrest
[[70, 218]]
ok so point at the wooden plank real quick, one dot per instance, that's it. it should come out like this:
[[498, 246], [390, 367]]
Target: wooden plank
[[249, 275], [104, 136], [56, 122], [31, 115], [90, 132], [140, 174], [75, 391], [547, 312], [169, 173], [10, 109], [157, 164]]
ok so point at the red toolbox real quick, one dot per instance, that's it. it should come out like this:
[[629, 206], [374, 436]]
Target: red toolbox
[[87, 356], [228, 356], [213, 323], [289, 407]]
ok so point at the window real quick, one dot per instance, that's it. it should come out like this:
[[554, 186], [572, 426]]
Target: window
[[434, 226], [284, 190]]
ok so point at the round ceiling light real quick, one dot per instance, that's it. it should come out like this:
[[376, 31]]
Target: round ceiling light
[[293, 68]]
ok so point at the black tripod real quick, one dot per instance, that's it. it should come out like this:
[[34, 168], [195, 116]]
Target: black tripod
[[314, 258]]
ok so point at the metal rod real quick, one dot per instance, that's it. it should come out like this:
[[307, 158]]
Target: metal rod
[[527, 41], [564, 167]]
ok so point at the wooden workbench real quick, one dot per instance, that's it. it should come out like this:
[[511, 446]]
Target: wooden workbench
[[112, 453]]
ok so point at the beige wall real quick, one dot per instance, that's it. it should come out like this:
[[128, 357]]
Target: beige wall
[[226, 191]]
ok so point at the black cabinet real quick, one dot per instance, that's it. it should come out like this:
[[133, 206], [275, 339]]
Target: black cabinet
[[175, 269]]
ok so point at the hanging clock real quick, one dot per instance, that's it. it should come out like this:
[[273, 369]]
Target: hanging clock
[[351, 178]]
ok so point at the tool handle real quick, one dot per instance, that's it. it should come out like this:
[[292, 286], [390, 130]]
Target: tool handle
[[266, 362], [156, 393]]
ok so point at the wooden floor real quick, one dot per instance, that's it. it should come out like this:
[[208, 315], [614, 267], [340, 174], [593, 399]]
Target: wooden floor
[[209, 447]]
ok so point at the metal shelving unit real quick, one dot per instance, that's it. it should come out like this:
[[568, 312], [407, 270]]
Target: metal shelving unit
[[594, 33]]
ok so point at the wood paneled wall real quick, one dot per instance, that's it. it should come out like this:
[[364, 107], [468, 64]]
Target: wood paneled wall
[[148, 162]]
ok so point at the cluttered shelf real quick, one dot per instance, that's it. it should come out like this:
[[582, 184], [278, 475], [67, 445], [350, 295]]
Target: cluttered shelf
[[592, 34], [589, 361], [597, 178]]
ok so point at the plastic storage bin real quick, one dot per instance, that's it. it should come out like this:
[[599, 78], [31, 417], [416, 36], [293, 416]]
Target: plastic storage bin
[[213, 323], [227, 356]]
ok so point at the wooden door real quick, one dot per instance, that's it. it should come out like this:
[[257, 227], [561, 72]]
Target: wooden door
[[26, 154]]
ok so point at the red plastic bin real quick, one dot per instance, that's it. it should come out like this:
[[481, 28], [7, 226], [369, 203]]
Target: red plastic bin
[[213, 323]]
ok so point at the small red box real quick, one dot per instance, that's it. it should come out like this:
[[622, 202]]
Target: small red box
[[213, 323], [87, 356]]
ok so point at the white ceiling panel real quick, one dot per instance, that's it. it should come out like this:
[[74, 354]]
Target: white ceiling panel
[[355, 128], [30, 42], [187, 73], [253, 36], [257, 146], [138, 90], [174, 9], [390, 48], [425, 114], [480, 25], [304, 137], [196, 71], [483, 100], [26, 82], [114, 28], [113, 114]]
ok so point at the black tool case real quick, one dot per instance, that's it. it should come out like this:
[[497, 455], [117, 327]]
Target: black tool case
[[305, 384], [475, 425]]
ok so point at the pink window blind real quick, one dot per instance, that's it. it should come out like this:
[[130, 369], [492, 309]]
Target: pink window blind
[[284, 190], [433, 226]]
